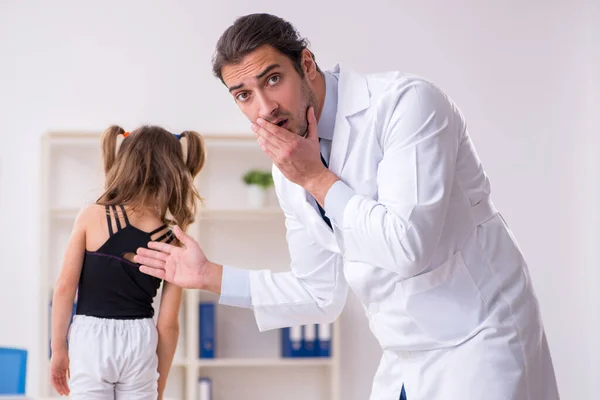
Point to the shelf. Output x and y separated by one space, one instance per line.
244 214
74 139
227 141
207 214
64 213
265 362
231 141
179 363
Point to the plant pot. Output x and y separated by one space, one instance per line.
257 196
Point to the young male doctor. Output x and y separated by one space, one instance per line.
383 192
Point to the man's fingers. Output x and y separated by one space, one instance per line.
149 261
267 148
271 155
312 125
267 136
274 152
276 131
183 237
155 272
273 133
161 247
159 255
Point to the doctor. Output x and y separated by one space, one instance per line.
383 193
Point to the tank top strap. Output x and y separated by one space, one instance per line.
114 214
169 235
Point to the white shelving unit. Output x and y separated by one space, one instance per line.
247 362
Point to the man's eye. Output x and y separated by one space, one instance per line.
274 79
242 96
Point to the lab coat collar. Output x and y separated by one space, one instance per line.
353 92
353 97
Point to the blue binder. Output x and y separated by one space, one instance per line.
286 346
309 339
296 341
207 330
324 340
291 341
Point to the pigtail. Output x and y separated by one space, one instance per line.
109 146
196 152
183 205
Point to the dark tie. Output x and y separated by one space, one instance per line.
318 205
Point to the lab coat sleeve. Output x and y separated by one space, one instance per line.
402 228
313 291
235 287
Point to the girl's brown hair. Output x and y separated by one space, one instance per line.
151 169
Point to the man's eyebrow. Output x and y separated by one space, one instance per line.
263 73
266 71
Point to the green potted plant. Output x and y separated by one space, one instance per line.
258 182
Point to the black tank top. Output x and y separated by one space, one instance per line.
111 286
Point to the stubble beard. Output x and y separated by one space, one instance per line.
308 100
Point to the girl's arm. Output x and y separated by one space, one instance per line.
62 303
168 331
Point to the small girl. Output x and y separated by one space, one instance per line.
113 349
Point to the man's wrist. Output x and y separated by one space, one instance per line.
320 185
212 278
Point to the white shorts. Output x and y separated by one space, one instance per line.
113 359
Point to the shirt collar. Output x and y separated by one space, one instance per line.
326 123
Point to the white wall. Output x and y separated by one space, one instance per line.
590 187
517 69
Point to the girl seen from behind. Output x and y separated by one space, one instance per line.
113 349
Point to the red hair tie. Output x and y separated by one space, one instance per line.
125 134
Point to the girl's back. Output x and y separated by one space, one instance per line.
115 350
111 286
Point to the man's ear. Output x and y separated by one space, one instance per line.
309 66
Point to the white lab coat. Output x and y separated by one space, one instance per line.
442 280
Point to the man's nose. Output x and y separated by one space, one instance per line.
268 108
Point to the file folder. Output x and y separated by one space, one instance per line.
207 330
296 341
309 337
286 346
323 340
204 388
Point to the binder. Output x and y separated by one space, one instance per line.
309 337
207 330
291 341
286 346
296 341
204 388
323 347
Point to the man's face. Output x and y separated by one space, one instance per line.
266 85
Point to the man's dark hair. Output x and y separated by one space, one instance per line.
250 32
